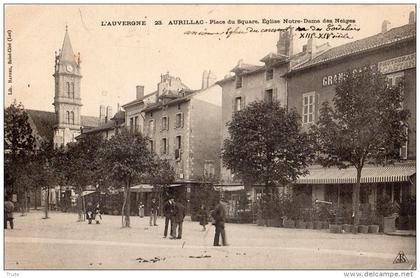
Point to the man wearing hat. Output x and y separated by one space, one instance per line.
168 212
219 216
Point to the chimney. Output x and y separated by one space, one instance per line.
102 114
385 26
139 92
204 84
108 113
310 48
211 79
285 43
291 35
412 18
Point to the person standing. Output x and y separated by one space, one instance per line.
98 215
8 213
219 216
179 215
141 209
154 207
203 216
168 212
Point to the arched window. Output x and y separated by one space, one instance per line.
72 117
68 89
68 117
72 89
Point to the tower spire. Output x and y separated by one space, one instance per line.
67 53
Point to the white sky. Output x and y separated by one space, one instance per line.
116 59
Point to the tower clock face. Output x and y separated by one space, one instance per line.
69 68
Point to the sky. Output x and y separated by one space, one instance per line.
117 58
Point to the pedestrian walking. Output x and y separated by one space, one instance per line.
154 208
203 216
219 216
178 220
141 210
89 213
168 212
98 214
9 207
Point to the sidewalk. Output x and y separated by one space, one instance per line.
37 243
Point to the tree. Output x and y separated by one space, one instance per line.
126 158
19 144
79 165
266 145
366 124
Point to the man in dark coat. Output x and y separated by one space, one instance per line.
219 216
168 211
178 220
154 207
8 213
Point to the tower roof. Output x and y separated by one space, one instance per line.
67 53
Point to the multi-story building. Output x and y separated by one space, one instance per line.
261 82
109 125
393 52
183 127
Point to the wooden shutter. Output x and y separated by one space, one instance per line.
316 107
167 123
243 103
275 97
182 119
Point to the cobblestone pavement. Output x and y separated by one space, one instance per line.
61 242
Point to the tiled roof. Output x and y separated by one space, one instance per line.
188 95
89 121
120 115
43 122
136 101
379 40
106 126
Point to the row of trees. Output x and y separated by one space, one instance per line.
118 162
366 123
267 145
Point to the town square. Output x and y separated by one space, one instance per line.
211 139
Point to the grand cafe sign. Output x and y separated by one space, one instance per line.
388 66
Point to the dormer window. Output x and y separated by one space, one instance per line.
238 82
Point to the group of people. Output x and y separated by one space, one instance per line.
174 213
93 213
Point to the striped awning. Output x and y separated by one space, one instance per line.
142 188
369 175
229 188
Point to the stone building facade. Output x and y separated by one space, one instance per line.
393 52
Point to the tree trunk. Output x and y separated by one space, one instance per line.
35 198
128 207
26 201
356 197
47 202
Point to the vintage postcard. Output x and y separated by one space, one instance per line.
210 136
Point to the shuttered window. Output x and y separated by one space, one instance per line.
308 108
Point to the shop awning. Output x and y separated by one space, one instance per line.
84 193
229 188
142 188
369 175
174 185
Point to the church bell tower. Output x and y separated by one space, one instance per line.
67 101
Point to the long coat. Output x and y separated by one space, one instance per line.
168 209
179 212
219 214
